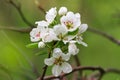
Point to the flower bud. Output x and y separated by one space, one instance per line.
41 44
62 11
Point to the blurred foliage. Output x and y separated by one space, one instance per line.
19 63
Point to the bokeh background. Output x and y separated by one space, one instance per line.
20 63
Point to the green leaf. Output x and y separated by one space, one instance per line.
32 45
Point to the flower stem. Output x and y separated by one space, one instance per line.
78 64
45 69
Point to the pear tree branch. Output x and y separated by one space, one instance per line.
101 73
18 8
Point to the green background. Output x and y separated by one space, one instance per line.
19 63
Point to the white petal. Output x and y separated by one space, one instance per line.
57 52
83 28
66 68
51 14
41 44
59 29
56 70
42 23
65 57
68 38
48 35
62 11
35 35
49 61
72 49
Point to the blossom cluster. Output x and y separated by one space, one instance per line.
64 30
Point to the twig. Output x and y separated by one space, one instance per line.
22 30
45 69
110 70
18 8
101 70
109 37
78 63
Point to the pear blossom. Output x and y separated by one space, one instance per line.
79 38
42 24
41 44
82 28
62 11
72 48
48 35
59 61
51 14
35 35
71 21
60 31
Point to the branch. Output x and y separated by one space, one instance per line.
74 70
18 8
109 37
101 71
78 64
22 30
45 69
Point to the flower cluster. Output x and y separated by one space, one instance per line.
64 30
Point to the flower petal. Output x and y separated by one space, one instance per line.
66 68
72 49
49 61
62 11
83 28
56 70
57 52
65 57
51 14
59 29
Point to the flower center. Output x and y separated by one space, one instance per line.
69 24
58 61
38 34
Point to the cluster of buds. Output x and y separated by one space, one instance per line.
64 30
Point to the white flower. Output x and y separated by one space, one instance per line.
62 11
79 39
51 14
59 60
72 48
41 44
83 28
60 31
71 21
42 24
35 35
48 35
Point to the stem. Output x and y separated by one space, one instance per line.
78 64
45 69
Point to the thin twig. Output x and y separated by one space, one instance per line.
109 37
45 69
78 64
18 8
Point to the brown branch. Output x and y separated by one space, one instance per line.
22 30
78 64
101 70
109 37
18 8
110 70
45 69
